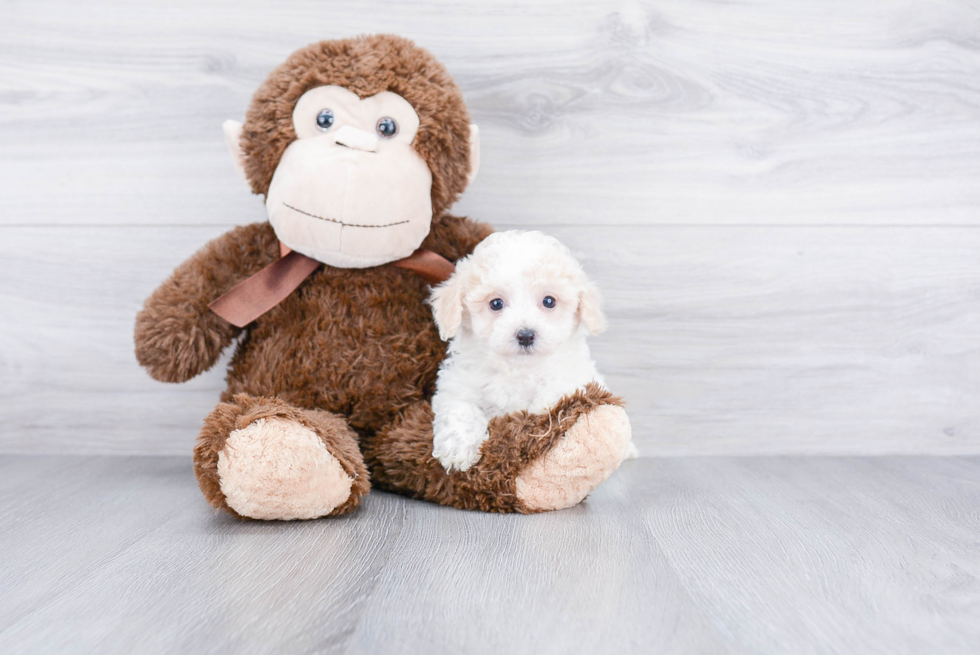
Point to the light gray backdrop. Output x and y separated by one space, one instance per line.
780 200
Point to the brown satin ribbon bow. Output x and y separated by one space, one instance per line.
256 295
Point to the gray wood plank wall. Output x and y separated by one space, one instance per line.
781 202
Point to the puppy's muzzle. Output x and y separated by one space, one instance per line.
525 337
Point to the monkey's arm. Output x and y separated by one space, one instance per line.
454 237
177 337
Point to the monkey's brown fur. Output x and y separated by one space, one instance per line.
352 354
241 410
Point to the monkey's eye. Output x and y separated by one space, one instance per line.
548 302
324 119
496 304
387 127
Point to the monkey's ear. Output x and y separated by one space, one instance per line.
447 306
590 309
474 153
233 136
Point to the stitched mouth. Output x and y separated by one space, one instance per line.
334 220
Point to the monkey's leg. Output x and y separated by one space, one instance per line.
530 463
262 458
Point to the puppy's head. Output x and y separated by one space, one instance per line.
522 293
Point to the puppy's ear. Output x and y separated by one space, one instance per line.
590 309
447 306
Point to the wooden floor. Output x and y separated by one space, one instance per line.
674 555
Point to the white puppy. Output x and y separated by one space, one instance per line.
517 311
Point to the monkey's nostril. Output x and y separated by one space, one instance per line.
525 337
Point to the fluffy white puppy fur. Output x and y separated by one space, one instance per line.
516 313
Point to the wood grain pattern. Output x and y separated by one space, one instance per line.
780 201
679 555
161 572
723 340
672 112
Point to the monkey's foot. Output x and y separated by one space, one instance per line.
586 455
263 459
278 469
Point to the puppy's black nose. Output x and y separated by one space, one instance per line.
525 337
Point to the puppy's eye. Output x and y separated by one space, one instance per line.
548 302
496 304
324 120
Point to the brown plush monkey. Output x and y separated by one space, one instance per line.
359 146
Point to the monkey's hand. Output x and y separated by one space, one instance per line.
177 337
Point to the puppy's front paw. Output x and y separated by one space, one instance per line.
456 455
458 431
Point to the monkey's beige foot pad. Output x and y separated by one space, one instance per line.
588 454
277 469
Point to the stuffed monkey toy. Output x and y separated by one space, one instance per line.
359 146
